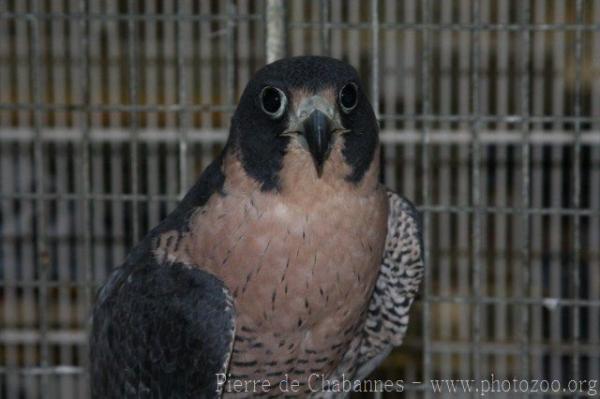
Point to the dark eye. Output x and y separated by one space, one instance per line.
273 101
348 97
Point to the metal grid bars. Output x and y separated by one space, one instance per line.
490 123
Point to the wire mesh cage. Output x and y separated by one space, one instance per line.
490 122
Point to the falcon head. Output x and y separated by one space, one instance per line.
304 117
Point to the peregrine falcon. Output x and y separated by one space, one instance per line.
287 260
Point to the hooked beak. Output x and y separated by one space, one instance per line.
315 123
317 132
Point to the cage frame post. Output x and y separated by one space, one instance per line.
276 30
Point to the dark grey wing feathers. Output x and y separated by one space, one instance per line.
160 331
397 285
163 330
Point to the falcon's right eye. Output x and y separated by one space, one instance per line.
273 102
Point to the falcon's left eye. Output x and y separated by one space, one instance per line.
348 97
273 101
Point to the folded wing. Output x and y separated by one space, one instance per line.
397 285
160 331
